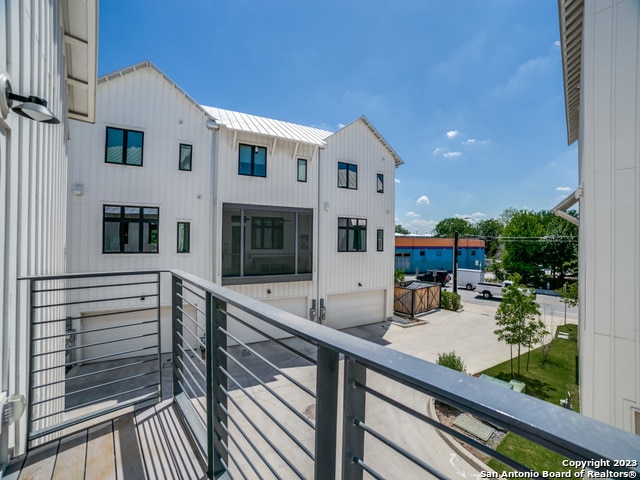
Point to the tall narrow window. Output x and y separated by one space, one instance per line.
352 234
124 147
380 183
185 157
380 240
302 170
130 229
184 237
252 161
347 175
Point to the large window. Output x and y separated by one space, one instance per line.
124 146
352 234
184 162
266 242
302 170
184 237
252 161
347 175
130 229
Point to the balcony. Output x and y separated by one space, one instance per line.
165 375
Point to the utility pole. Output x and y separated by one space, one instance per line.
455 263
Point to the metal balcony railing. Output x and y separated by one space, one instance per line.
267 394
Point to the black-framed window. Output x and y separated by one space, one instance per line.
347 175
184 162
124 147
380 183
130 229
267 233
184 237
302 170
352 234
380 240
252 160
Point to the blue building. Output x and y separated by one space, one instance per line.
428 253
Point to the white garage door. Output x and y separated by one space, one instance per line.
359 308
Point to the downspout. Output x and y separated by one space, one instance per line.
319 308
214 127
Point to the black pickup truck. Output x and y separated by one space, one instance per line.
434 276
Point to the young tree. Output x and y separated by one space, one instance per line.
517 319
449 226
401 230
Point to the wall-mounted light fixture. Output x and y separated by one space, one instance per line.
32 107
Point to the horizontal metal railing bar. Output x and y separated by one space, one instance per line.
93 387
401 450
94 300
89 287
85 375
189 302
367 468
96 315
242 452
198 293
262 434
195 381
72 363
193 335
87 345
233 459
93 330
95 402
548 425
273 339
445 428
247 439
275 394
190 358
34 435
304 388
120 273
186 314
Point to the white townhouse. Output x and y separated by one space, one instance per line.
48 52
601 60
298 217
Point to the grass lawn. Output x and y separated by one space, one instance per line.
549 381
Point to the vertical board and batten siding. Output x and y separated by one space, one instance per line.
356 273
142 100
609 214
33 172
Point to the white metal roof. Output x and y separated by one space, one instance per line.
244 122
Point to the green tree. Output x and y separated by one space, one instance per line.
401 230
449 226
560 248
490 229
569 295
517 319
523 249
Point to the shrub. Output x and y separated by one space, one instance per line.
398 276
450 301
451 360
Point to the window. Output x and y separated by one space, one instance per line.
380 240
130 229
124 147
347 175
302 170
261 241
252 161
267 233
473 253
380 183
438 253
422 253
184 237
185 157
352 235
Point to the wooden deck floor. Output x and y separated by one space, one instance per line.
149 444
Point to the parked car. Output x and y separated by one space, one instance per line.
434 276
491 290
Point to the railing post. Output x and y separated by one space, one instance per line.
216 341
326 413
176 329
354 408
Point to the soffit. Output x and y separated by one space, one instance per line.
571 14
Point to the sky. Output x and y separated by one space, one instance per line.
469 93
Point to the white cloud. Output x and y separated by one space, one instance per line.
423 200
397 180
470 217
341 126
421 227
556 43
452 154
438 150
412 214
452 133
469 142
563 189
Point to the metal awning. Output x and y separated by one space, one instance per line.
561 209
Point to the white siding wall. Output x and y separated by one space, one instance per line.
609 213
343 272
142 100
33 170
